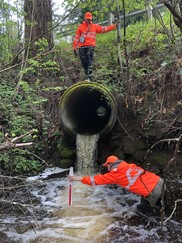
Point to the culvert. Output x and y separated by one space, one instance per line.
88 108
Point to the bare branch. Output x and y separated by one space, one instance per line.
174 209
162 141
172 9
38 158
15 203
20 206
10 142
10 145
171 161
22 136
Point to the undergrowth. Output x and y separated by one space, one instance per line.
148 47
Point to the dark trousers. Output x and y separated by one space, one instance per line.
87 56
145 207
145 203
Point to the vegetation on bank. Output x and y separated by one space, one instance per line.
151 74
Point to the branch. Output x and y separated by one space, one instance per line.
44 33
10 143
174 209
164 140
24 135
16 203
20 206
172 9
171 161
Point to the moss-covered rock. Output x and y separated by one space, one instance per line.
66 163
67 153
61 146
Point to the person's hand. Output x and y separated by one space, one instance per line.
71 178
75 53
117 23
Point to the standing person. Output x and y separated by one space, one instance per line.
85 42
131 177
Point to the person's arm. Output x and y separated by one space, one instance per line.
99 179
74 178
104 29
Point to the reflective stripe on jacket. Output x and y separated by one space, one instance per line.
88 32
129 176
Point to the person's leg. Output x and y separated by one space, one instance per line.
144 206
84 59
90 61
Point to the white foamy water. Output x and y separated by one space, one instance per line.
98 214
86 146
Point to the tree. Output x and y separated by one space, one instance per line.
38 22
175 7
10 30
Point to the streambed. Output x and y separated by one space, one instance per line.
98 214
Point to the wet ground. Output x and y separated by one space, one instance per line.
37 210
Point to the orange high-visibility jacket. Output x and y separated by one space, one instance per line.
129 176
88 32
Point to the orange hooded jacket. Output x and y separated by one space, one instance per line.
88 32
128 176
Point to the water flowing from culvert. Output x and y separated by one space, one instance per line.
86 147
100 214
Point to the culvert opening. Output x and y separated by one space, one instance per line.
87 109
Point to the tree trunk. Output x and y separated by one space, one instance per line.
175 7
38 21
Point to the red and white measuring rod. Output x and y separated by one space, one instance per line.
70 190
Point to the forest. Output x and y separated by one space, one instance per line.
139 62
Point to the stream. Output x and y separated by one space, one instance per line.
35 209
98 214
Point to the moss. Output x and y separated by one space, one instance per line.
67 153
66 163
61 146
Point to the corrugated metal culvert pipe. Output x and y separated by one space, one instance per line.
88 108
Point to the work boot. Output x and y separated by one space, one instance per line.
145 210
144 207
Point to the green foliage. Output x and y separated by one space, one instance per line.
26 109
42 44
9 31
19 112
101 8
41 65
66 163
148 33
18 162
106 65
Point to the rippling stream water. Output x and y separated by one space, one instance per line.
99 214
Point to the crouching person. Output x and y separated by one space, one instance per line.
131 177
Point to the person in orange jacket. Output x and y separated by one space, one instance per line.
85 42
131 177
